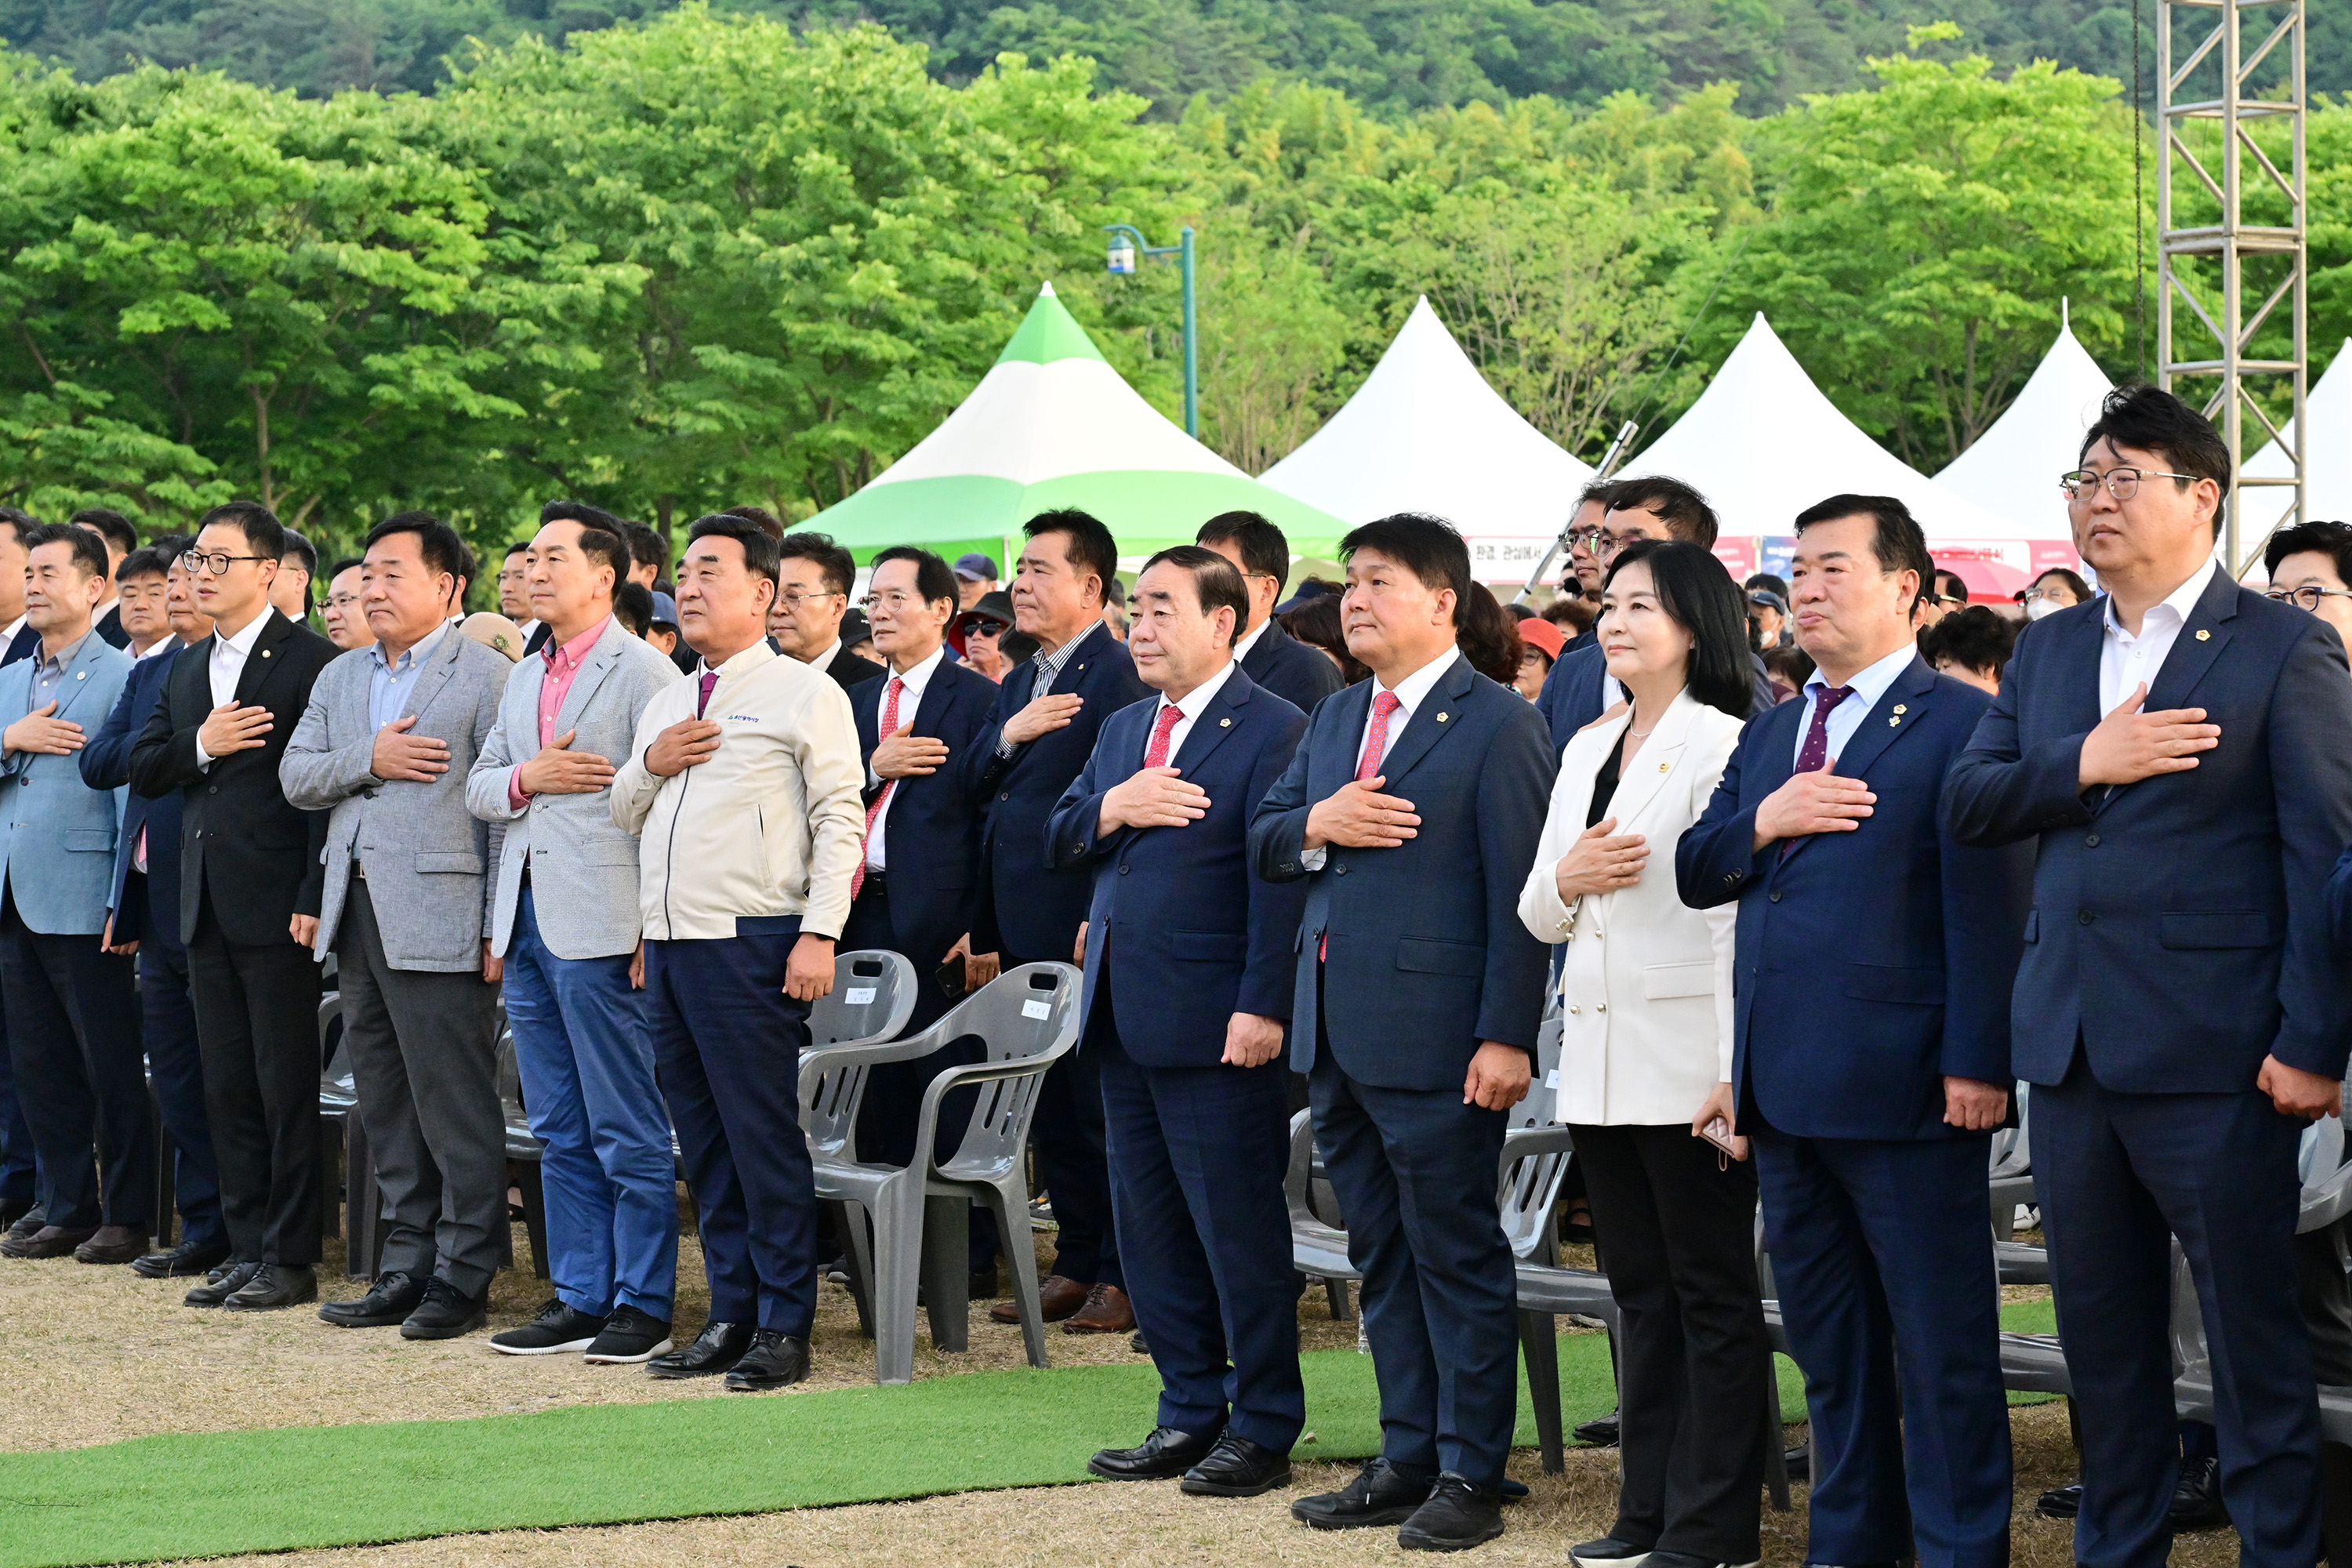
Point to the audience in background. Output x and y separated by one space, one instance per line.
345 623
1540 647
1314 620
289 591
814 579
633 604
1267 653
2054 590
1971 645
648 553
120 539
513 602
985 625
2310 567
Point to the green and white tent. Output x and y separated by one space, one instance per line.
1053 425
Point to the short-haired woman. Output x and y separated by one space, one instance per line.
1645 995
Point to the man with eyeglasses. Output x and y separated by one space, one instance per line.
814 577
1580 688
347 626
250 886
2177 749
1585 573
1270 657
2310 567
1950 593
919 872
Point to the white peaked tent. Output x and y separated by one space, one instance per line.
2327 453
1762 443
1425 433
2011 470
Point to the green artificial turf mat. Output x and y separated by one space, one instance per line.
215 1493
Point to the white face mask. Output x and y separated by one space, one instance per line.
2037 608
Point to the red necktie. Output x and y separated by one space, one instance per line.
709 679
1155 755
1814 754
1376 745
873 813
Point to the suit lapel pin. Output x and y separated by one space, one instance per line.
1662 767
265 653
1225 723
1443 716
81 674
2204 635
1893 721
1900 709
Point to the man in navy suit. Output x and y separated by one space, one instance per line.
2175 752
1039 735
1272 659
1412 811
1191 966
1871 1027
1580 688
144 909
913 891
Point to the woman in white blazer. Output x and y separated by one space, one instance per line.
1645 1006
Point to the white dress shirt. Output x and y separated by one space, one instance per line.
909 701
1409 693
2125 660
1191 708
226 664
1864 690
1242 649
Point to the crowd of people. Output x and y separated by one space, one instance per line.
1817 874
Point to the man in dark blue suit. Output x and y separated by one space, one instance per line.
1580 688
1192 964
145 919
1039 735
1272 659
914 892
2175 751
1412 811
1871 1027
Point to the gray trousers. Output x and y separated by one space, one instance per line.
423 1047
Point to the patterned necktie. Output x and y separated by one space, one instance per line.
1815 754
873 813
1155 755
709 679
1376 745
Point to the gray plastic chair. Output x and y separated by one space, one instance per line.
1026 1019
872 998
2009 1175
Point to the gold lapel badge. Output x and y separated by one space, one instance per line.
1443 716
2204 635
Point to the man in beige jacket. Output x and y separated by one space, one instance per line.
742 783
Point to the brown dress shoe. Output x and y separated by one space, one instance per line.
49 1241
112 1244
1058 1297
1107 1311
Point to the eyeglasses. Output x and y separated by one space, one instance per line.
981 626
893 601
2305 598
1948 599
791 603
1600 541
2061 597
216 563
2122 483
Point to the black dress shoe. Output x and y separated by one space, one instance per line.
1169 1451
1600 1431
1237 1467
1609 1553
2060 1503
113 1244
218 1287
1458 1515
774 1361
716 1349
49 1241
1798 1462
273 1286
184 1261
446 1312
2197 1499
387 1304
1382 1494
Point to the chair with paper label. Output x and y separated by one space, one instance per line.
1025 1019
873 997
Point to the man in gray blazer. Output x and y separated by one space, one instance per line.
565 923
73 1017
385 743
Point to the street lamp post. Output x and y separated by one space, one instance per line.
1127 246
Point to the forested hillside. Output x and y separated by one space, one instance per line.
1389 55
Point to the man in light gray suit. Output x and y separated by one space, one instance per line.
385 743
566 924
73 1017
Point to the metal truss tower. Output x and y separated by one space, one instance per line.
2219 99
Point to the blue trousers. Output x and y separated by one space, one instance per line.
1881 1251
1197 1156
588 1086
176 1068
2119 1176
18 1180
728 1043
1414 1174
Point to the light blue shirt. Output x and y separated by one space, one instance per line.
390 684
1868 685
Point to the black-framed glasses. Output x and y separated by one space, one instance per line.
2306 597
2122 483
216 563
981 626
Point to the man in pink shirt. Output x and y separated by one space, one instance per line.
566 923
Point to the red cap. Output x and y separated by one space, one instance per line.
1536 632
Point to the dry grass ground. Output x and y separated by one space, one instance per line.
91 1355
